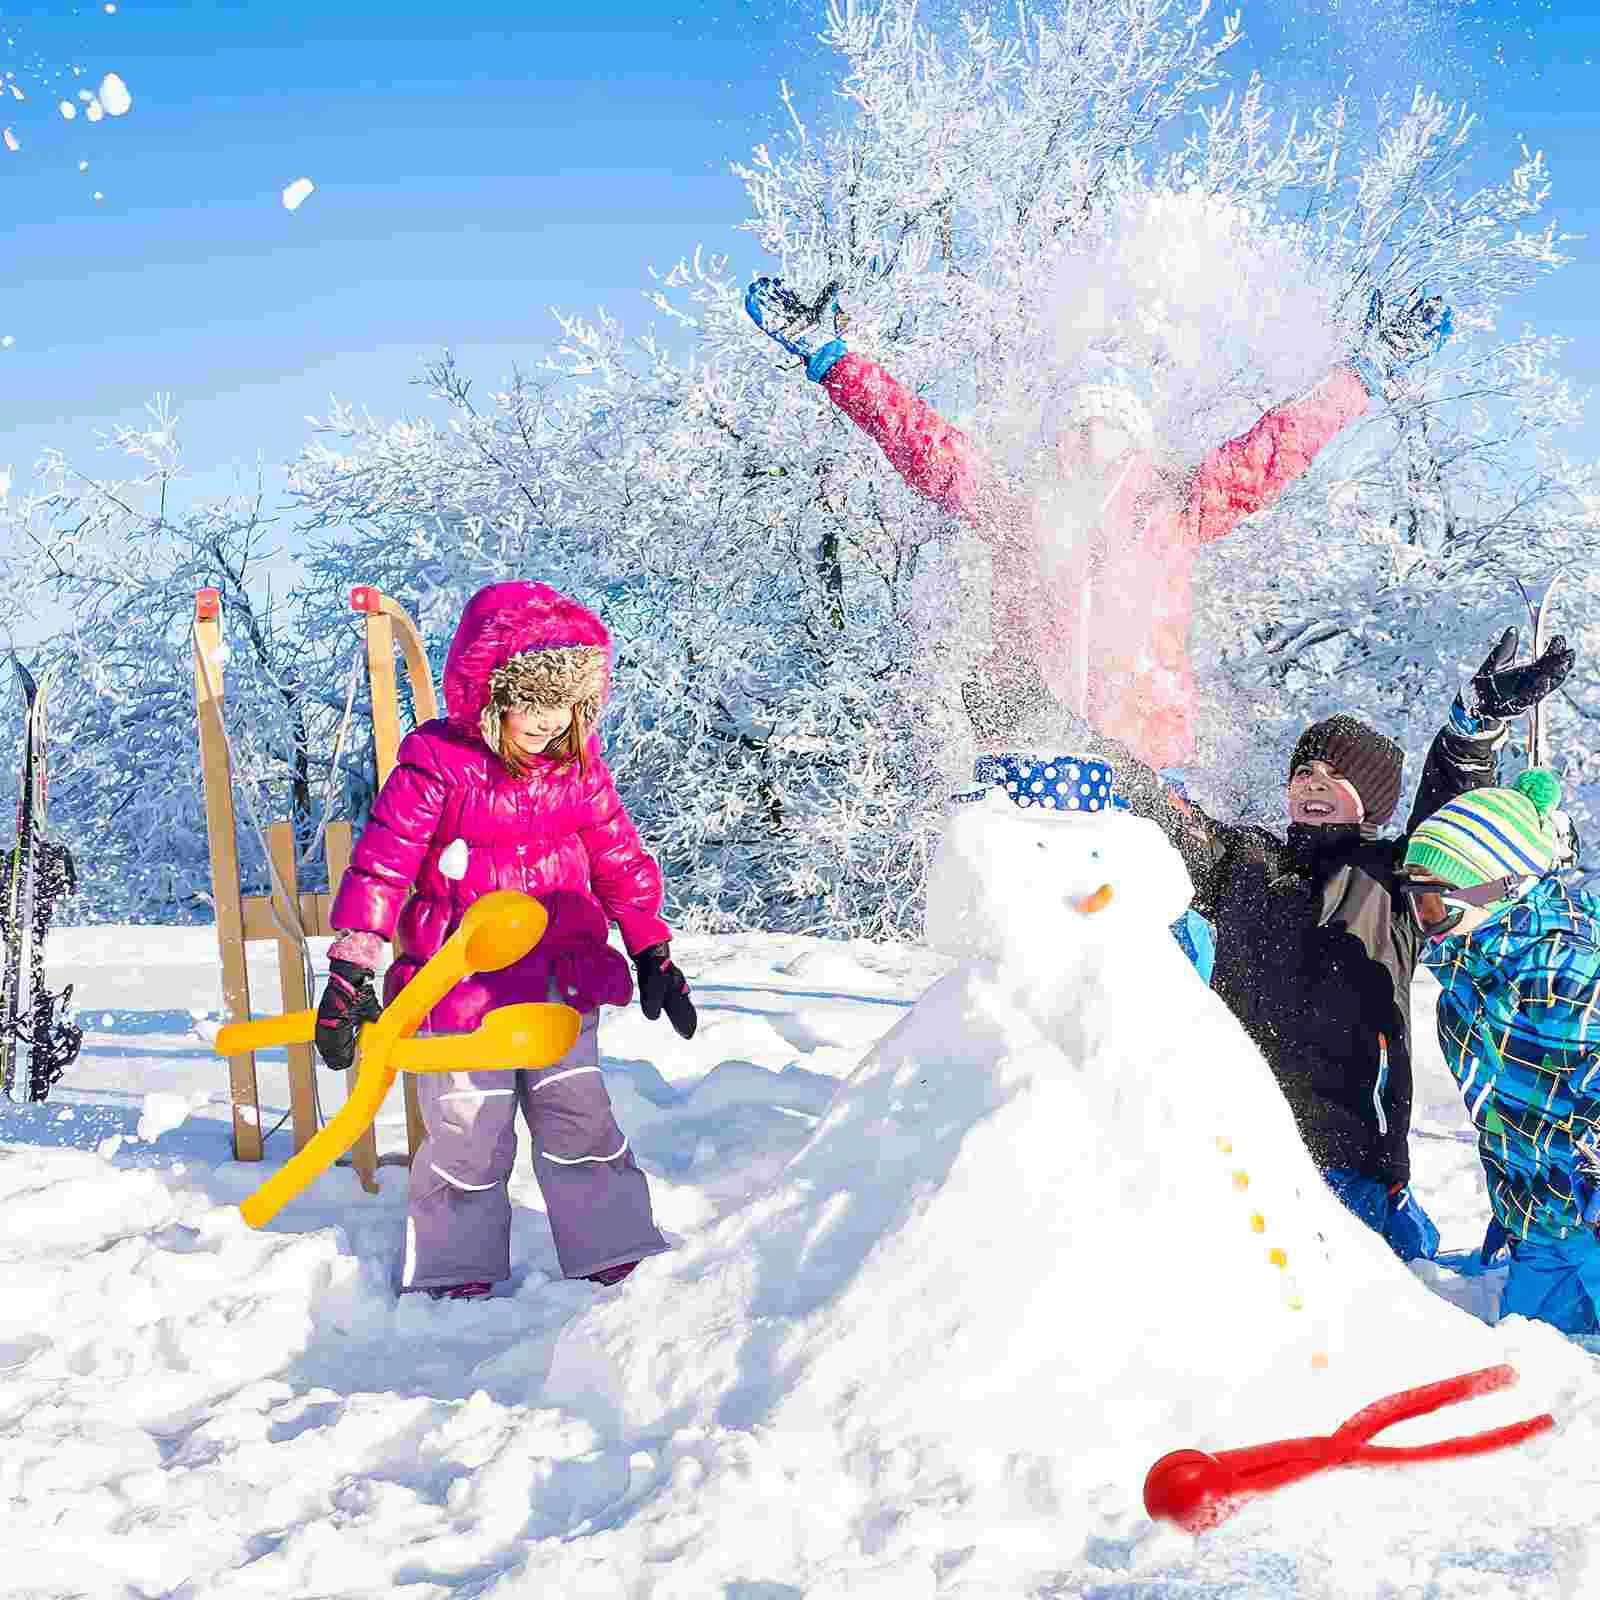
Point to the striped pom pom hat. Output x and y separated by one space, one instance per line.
1491 833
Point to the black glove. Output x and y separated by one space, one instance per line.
347 1002
1498 689
788 320
663 987
1410 334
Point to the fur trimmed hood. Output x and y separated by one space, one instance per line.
514 619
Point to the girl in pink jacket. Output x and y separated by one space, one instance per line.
1102 624
509 791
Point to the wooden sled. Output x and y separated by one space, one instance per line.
243 919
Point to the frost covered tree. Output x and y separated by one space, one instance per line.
125 790
997 203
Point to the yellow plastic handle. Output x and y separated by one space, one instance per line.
294 1027
533 1035
498 929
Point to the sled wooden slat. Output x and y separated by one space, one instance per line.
292 988
314 908
389 624
363 1156
217 783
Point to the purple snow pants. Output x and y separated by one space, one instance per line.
459 1225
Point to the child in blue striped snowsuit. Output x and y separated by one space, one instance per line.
1517 955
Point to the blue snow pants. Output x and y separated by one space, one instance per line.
1406 1228
1555 1281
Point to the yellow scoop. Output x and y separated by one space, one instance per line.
498 929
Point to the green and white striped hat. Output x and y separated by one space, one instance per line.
1491 833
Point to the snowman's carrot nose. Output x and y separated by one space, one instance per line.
1097 901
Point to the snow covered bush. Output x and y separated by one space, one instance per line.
125 790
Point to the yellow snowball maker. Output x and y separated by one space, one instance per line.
498 929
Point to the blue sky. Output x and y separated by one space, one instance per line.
476 163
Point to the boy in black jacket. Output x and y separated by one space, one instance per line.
1315 947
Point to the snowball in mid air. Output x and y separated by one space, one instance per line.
296 193
114 95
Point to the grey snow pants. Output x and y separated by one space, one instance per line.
458 1227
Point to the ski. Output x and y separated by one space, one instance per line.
1536 597
32 877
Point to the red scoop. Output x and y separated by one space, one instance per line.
1199 1491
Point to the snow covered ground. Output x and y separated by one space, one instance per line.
921 1338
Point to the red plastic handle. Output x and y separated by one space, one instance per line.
1199 1491
207 604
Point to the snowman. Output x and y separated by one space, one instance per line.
1044 874
1056 904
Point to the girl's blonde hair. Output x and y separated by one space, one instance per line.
537 680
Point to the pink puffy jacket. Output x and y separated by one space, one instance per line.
1108 627
555 834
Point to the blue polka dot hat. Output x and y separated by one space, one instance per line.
1049 783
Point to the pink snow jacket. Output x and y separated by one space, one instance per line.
1108 628
555 834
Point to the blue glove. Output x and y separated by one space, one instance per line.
1408 1228
1494 1241
1394 341
788 320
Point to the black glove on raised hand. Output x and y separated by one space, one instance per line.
793 323
348 1001
1394 338
663 988
1498 689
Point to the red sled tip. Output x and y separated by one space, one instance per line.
365 598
